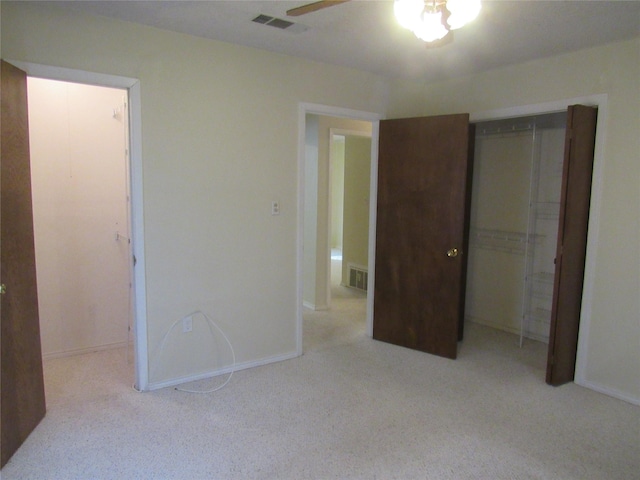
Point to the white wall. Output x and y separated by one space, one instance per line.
219 132
79 185
613 264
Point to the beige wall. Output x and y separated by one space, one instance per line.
337 190
350 193
219 127
214 158
357 173
613 305
79 185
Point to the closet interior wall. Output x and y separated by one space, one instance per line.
514 223
79 175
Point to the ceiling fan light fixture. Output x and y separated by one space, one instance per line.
425 17
431 27
462 12
408 12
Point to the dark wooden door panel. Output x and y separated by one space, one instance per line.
572 243
423 167
22 386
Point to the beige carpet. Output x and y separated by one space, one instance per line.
350 407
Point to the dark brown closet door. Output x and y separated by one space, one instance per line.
422 215
22 385
572 243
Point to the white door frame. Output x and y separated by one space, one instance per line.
132 86
329 111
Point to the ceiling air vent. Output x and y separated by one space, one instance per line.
262 19
280 23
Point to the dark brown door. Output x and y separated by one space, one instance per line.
22 386
424 169
572 243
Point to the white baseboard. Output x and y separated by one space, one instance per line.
505 328
214 373
82 351
488 323
312 306
612 392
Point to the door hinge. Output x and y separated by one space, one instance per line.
134 261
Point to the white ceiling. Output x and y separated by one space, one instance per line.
363 34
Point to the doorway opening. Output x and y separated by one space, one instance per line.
79 143
132 86
337 185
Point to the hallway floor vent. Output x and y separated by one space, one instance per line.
358 277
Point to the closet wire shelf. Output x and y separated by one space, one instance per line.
502 241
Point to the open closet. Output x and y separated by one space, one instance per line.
515 209
520 221
529 232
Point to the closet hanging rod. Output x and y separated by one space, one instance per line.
505 130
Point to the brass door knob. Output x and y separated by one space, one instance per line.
452 253
3 289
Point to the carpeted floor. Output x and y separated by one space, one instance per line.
349 408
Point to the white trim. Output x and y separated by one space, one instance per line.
82 351
302 112
611 392
373 216
317 109
314 307
214 373
592 242
137 239
599 100
132 85
51 72
348 133
330 111
328 266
